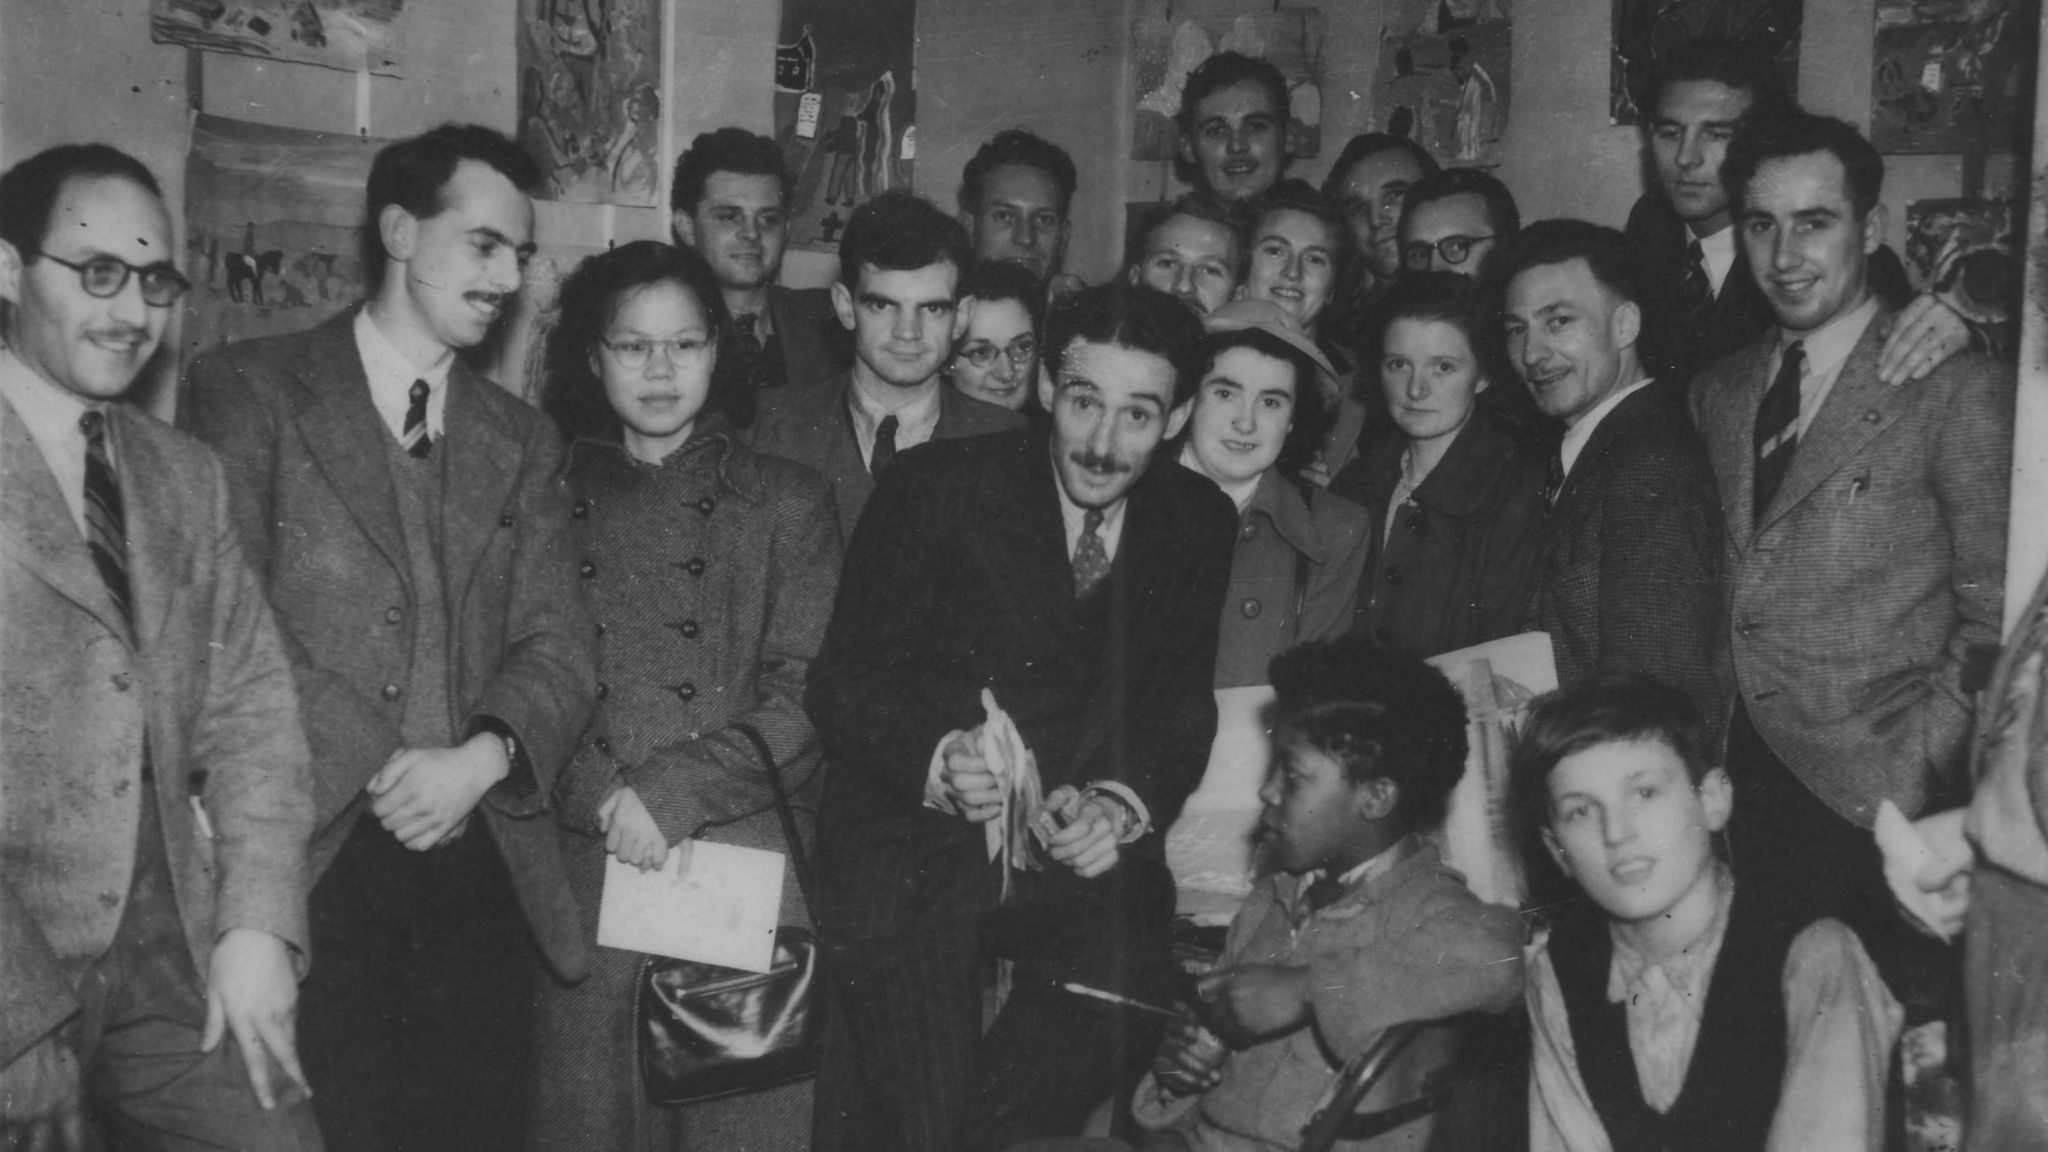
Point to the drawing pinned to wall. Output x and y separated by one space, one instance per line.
1964 251
272 228
1646 29
1165 47
589 97
845 113
345 34
1949 75
1443 77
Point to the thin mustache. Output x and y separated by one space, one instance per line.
1095 463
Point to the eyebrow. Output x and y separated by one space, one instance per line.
876 298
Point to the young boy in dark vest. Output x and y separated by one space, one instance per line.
1669 1009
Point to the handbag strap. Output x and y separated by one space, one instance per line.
799 860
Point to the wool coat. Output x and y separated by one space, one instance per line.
1293 576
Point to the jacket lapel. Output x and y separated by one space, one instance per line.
1858 408
479 473
1735 439
36 528
345 437
151 492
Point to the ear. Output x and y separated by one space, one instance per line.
1717 797
1178 418
842 304
1187 148
1293 141
684 225
1484 383
1375 799
399 230
1874 223
1626 324
1556 851
1131 275
963 315
11 265
1046 388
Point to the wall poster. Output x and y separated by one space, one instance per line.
590 98
1443 78
1965 251
845 112
1166 47
1948 75
344 34
1646 29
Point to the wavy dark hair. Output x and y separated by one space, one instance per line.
1294 195
1312 409
414 173
590 297
1454 299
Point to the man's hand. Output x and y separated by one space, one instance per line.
1922 338
422 795
630 832
1934 887
41 1104
967 781
1088 844
1256 1001
1190 1060
253 992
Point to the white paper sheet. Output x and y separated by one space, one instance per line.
721 908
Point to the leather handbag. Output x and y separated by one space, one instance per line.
707 1031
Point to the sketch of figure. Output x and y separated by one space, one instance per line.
872 173
631 161
1189 48
843 145
1476 97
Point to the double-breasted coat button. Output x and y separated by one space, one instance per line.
706 505
588 569
393 615
686 691
119 680
580 509
121 787
1394 577
1251 608
604 745
390 692
504 521
688 628
695 566
110 899
603 689
1249 532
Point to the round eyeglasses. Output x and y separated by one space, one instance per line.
1454 249
104 276
984 353
633 354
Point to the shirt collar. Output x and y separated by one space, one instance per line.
1075 517
1717 250
1240 493
1576 436
391 377
1829 345
915 417
51 413
1688 972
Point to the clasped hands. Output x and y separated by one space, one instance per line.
424 796
1088 843
1241 1006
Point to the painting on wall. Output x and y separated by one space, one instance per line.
590 97
345 34
1964 251
845 112
273 220
1443 78
1644 30
1948 75
1165 47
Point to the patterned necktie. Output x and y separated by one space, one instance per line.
885 448
1777 428
1091 558
106 531
415 439
1695 290
746 348
1553 475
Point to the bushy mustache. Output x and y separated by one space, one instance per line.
1098 461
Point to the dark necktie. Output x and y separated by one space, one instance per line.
1553 475
106 531
1777 428
1091 557
1695 290
885 448
415 439
746 349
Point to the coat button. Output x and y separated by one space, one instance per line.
588 570
391 691
1250 608
1249 532
119 680
603 689
504 521
706 505
121 787
1394 577
580 509
110 899
687 692
604 745
394 614
600 627
695 567
688 628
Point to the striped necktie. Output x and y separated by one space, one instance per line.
106 530
415 439
1777 428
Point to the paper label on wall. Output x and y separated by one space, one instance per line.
807 115
909 143
713 903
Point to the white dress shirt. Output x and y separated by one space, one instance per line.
1575 437
1717 252
51 416
916 413
1827 348
391 378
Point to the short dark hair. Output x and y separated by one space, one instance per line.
1022 148
1131 316
1606 252
1232 215
1795 133
734 150
1447 298
1228 70
1297 195
29 190
899 231
1380 713
1501 214
1365 146
1312 413
573 392
412 174
1720 61
1606 708
1007 280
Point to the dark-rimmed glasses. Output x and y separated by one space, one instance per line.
1454 249
104 276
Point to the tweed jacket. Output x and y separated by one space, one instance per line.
201 678
1852 603
958 579
1456 568
312 496
814 346
1293 576
1628 577
812 426
712 577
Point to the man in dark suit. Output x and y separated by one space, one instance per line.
1077 576
1866 535
1626 582
402 511
155 803
730 201
898 293
1704 298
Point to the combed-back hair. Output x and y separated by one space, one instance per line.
734 150
413 173
1007 280
899 231
1228 70
1608 708
1605 251
1025 149
1130 316
1501 214
29 190
1380 713
1366 145
1786 134
1723 62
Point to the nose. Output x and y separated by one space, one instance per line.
906 324
127 305
1417 388
750 228
1437 263
661 362
1690 154
1184 282
1003 368
1269 792
1784 253
1292 269
1100 433
1243 419
1618 825
505 274
1238 141
1027 233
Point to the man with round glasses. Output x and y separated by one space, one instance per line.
157 802
1453 219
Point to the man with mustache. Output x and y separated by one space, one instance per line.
898 293
1075 575
402 511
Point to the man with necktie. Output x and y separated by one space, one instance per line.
155 801
1077 576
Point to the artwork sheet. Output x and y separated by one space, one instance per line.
845 112
1644 30
350 35
1949 75
590 98
1443 78
1167 43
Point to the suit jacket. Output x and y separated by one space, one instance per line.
201 678
1627 581
814 346
314 501
957 579
1881 561
813 427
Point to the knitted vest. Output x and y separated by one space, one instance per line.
427 721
